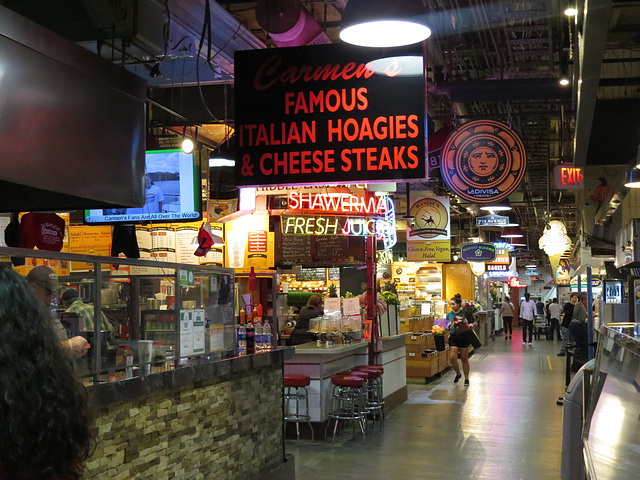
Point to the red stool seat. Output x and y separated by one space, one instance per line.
372 373
296 380
376 367
348 381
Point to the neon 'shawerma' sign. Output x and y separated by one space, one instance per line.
343 204
326 114
382 228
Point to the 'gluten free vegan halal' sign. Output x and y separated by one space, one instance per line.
327 113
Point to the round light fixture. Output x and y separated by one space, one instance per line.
512 232
187 145
384 23
564 81
633 178
571 12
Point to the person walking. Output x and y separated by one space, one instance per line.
457 323
528 311
506 311
567 315
554 319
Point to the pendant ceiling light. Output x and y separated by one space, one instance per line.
501 206
512 232
223 156
384 23
633 178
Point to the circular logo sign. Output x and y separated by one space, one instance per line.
483 161
430 218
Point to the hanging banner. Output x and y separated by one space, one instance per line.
324 113
429 251
483 161
478 252
430 218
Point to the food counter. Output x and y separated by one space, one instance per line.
320 363
186 406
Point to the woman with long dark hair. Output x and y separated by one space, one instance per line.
45 426
457 323
301 332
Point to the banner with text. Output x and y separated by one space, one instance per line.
326 113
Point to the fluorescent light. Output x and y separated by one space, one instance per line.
221 162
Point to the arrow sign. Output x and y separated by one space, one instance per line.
492 221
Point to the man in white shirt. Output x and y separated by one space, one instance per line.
554 314
528 315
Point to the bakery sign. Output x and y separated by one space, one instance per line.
325 113
483 161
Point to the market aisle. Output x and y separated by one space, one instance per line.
505 425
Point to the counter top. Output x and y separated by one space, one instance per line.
199 369
395 337
314 349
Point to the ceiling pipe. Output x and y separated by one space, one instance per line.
289 24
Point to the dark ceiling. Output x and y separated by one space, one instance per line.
486 59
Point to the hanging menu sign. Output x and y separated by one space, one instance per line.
312 275
296 248
323 113
333 247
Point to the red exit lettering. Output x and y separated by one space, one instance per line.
571 175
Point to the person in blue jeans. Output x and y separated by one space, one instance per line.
528 311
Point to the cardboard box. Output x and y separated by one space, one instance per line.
422 366
443 360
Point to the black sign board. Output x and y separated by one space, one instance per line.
520 253
312 274
325 113
478 252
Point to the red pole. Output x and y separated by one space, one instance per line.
372 296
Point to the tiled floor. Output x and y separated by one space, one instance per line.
505 425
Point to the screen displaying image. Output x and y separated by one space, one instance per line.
172 192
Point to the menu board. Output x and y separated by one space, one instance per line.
334 273
296 247
312 275
334 247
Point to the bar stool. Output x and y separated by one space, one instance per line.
375 398
349 403
296 390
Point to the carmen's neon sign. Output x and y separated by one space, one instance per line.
343 204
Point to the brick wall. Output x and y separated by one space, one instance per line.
228 427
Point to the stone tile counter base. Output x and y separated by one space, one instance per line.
228 427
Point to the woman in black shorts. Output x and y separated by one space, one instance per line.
457 323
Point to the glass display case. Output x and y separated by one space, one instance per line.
153 315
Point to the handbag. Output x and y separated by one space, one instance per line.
472 337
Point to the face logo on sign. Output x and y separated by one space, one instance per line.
430 218
483 161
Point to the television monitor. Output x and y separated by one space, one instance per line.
172 192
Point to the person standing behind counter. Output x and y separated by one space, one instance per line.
74 304
44 282
46 430
300 333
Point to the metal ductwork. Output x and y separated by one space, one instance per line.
289 24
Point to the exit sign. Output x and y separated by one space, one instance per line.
568 177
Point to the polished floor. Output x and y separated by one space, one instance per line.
505 425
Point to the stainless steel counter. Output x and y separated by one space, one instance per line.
611 436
